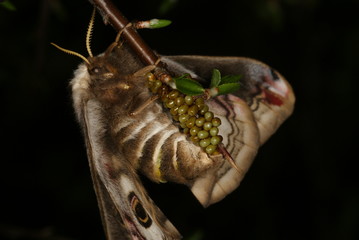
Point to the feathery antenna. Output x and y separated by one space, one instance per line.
71 52
88 41
89 32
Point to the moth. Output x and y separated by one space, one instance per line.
127 132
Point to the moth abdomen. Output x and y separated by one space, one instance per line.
149 139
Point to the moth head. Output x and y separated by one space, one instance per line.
96 66
99 68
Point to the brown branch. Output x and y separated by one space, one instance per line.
111 14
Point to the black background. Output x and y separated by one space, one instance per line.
303 183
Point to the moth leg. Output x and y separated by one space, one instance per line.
120 32
117 42
222 149
147 69
144 71
141 107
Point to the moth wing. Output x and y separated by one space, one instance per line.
266 91
250 115
114 178
241 139
109 214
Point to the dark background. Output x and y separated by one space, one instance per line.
303 183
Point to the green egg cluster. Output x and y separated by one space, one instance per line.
191 113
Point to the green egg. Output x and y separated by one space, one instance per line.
208 116
190 122
207 126
170 103
174 110
183 118
214 131
216 122
200 121
195 139
186 130
173 94
183 109
199 101
204 109
188 100
179 101
202 134
204 142
215 140
211 149
192 110
194 131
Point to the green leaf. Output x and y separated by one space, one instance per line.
159 23
216 78
8 5
188 86
228 88
231 79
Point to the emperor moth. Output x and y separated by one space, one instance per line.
126 132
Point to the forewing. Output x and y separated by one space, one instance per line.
126 209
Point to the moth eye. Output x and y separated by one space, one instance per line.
139 211
274 74
96 70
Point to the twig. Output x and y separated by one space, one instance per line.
112 15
